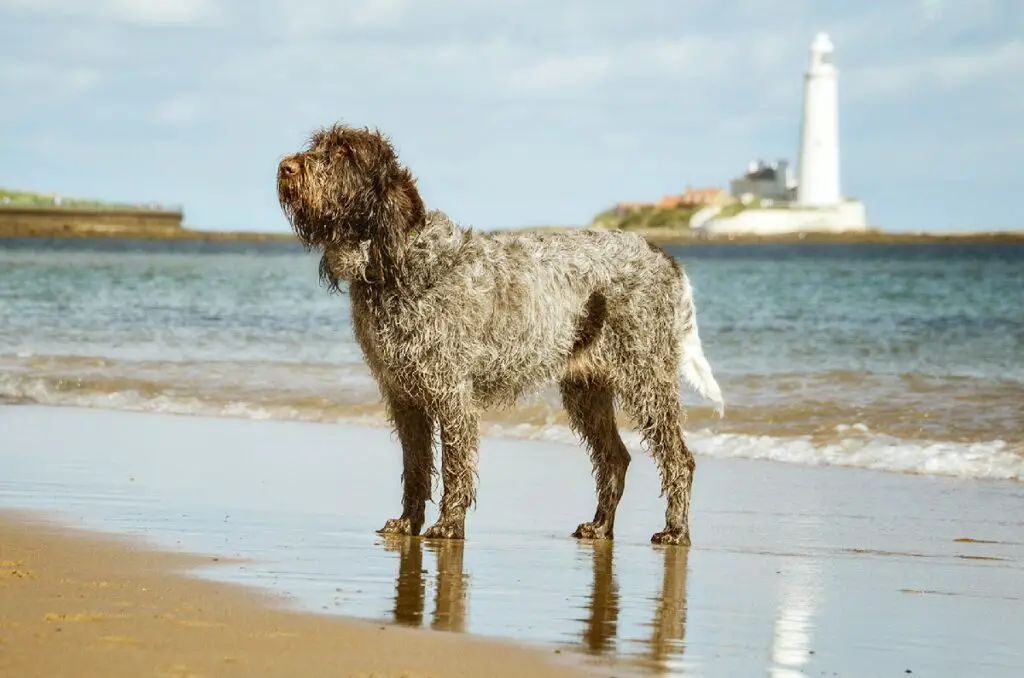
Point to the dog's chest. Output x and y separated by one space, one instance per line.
366 327
392 350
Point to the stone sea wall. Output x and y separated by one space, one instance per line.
45 220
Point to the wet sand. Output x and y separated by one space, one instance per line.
79 605
793 571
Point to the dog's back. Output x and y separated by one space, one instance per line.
532 308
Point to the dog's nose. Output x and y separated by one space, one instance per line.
289 167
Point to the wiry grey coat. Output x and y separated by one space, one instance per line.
451 322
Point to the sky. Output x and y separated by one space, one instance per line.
512 113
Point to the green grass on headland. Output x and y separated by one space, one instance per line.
646 217
31 199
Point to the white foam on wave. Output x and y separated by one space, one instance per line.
40 391
854 446
990 460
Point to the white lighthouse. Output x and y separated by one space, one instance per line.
818 164
771 205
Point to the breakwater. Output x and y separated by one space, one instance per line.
52 220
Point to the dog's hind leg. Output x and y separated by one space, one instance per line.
459 441
416 435
658 413
591 412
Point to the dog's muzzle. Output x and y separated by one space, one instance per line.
289 167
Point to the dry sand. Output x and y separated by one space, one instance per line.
77 604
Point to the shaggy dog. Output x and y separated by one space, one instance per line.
451 322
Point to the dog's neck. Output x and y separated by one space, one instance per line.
427 253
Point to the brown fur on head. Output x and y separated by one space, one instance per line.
346 194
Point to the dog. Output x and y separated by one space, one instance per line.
452 321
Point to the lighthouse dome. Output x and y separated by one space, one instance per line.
822 44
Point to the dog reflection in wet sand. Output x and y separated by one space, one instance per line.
450 586
601 633
452 322
668 628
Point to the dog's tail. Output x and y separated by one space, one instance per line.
693 365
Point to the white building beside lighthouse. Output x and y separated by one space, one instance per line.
813 202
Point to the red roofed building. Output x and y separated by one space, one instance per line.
696 197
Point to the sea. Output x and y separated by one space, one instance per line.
905 358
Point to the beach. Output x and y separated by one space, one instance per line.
794 570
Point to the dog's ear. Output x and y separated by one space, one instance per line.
404 214
408 199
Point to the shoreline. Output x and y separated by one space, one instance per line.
678 236
880 238
927 458
921 437
656 236
80 602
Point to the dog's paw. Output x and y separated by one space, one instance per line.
398 526
443 530
672 538
592 531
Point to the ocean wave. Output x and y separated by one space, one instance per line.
853 445
993 459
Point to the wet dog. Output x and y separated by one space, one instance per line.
452 322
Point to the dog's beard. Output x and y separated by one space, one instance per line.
314 227
348 262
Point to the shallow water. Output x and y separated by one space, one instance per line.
794 571
899 358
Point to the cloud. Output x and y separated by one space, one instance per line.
41 86
162 12
378 12
178 111
80 80
310 18
31 76
560 73
141 12
932 10
963 14
948 71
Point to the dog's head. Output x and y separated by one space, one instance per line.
346 190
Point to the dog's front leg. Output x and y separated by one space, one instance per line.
416 434
459 441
